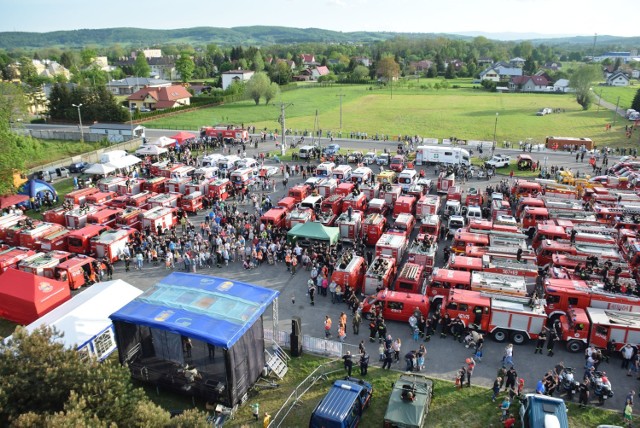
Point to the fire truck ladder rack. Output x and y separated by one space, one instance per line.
509 264
598 230
570 214
410 272
509 298
505 249
587 244
623 318
597 290
583 259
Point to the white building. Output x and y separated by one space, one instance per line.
618 79
228 77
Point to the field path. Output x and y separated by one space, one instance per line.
608 105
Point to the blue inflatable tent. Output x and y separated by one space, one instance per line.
196 334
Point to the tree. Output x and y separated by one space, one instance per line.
388 69
272 91
27 70
450 73
636 101
72 391
431 72
581 81
185 66
12 156
281 73
141 67
530 66
360 72
257 63
87 56
257 86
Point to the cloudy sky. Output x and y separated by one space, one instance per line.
545 17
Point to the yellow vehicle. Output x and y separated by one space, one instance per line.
387 177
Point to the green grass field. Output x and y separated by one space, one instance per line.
611 94
465 113
46 151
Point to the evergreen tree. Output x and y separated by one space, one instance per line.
141 67
450 73
636 101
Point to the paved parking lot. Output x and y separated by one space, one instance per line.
445 356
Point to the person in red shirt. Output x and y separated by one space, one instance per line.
510 421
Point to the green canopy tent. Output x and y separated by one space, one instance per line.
406 412
313 231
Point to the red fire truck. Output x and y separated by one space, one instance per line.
392 244
422 251
79 217
130 217
55 241
10 257
75 271
110 184
428 204
55 215
165 200
350 225
390 193
442 281
373 228
356 202
371 191
474 197
162 217
107 216
32 238
349 272
411 279
548 248
430 225
380 275
404 204
155 184
140 200
464 263
377 206
100 198
298 216
345 189
43 264
276 217
299 192
499 284
333 203
227 133
110 244
79 241
445 181
404 223
504 317
288 203
192 202
79 196
598 327
327 187
395 305
219 188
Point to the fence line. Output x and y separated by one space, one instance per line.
313 345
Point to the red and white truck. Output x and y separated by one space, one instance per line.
422 251
350 225
162 217
411 279
504 317
10 257
373 228
392 244
110 244
165 200
43 264
78 218
428 204
32 238
380 275
349 272
597 327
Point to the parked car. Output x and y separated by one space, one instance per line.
544 111
409 402
78 167
383 159
343 405
498 161
332 149
354 157
369 158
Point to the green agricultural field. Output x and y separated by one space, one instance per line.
611 94
465 113
40 152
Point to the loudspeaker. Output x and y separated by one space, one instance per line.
296 345
296 326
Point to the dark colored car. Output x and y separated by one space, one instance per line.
78 167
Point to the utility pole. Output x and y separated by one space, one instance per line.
615 113
283 144
341 95
80 121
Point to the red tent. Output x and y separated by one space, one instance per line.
8 200
181 136
25 297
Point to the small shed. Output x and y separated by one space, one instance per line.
197 335
84 319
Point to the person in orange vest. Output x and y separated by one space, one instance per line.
294 263
327 326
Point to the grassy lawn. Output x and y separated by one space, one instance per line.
469 407
45 151
465 113
611 94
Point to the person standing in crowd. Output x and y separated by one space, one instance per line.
348 362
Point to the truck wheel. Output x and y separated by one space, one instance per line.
500 335
519 338
575 346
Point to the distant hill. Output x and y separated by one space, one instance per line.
262 36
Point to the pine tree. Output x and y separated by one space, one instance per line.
636 101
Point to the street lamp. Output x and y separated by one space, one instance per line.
495 128
80 120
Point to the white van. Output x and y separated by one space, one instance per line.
305 152
407 178
211 160
314 202
325 169
342 173
249 163
361 175
473 213
228 163
205 172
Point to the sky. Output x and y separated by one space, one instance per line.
544 17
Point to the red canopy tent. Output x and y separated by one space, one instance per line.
25 297
8 200
181 136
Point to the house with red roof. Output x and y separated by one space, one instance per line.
529 84
159 98
308 59
319 71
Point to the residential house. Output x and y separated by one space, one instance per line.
500 72
457 64
618 79
421 66
484 60
160 98
228 77
552 65
290 63
562 85
635 73
544 74
129 85
319 71
164 68
148 53
102 62
308 60
517 62
48 68
528 84
363 60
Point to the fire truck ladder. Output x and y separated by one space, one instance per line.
587 244
507 250
597 290
570 214
623 318
598 230
509 264
409 272
507 298
583 259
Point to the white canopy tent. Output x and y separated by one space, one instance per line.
151 150
163 142
84 319
100 169
125 161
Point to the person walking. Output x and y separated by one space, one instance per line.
348 362
496 388
312 292
356 320
553 337
397 344
470 367
507 359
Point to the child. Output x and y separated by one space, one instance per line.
416 334
381 352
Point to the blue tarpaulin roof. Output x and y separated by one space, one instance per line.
211 309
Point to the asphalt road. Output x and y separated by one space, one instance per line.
445 356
